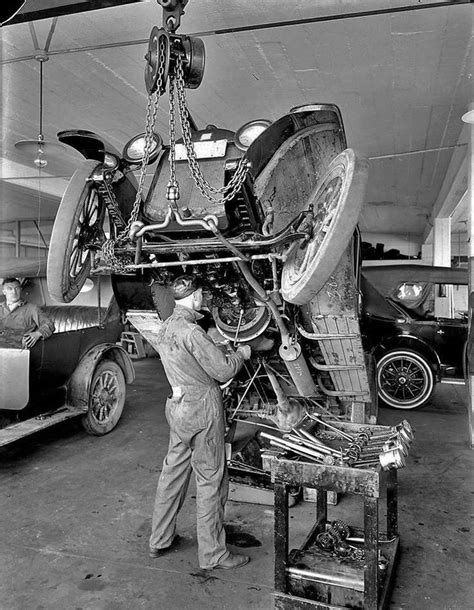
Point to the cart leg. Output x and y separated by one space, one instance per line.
281 536
321 508
392 504
371 529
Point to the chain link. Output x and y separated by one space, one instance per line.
172 132
205 188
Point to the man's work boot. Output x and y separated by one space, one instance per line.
232 561
155 553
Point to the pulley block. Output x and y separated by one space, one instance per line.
194 61
158 59
163 51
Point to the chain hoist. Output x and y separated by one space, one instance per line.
179 61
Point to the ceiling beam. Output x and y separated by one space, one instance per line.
41 9
94 5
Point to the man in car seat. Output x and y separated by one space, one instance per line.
22 324
194 366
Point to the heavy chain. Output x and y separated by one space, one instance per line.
151 110
172 133
205 188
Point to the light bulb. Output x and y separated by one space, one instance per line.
40 161
468 117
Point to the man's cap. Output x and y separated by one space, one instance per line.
184 285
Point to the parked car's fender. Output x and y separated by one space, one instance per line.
412 343
80 381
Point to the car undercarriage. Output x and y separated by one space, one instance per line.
264 216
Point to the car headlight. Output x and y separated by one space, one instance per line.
88 285
249 132
134 150
110 161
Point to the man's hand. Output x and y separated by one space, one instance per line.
245 351
31 339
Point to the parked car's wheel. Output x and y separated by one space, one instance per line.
405 379
78 223
337 201
106 398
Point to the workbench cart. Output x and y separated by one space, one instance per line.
309 577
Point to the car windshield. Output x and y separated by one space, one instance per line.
412 294
423 299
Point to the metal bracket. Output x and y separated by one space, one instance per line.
172 12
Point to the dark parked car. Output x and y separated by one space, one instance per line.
79 371
415 321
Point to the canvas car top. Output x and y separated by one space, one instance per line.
386 277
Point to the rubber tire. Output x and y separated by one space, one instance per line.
109 372
420 366
307 268
63 285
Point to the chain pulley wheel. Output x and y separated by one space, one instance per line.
194 62
157 61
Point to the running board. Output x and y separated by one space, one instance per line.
454 381
13 433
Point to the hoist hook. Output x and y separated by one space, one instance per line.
172 12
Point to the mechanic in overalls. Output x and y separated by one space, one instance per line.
195 367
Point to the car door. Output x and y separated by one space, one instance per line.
451 335
451 332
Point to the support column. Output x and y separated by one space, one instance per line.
442 258
469 118
442 242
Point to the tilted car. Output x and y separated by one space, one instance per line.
415 322
80 371
264 216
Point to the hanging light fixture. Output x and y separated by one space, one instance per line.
39 149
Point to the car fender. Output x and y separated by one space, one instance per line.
93 146
284 130
79 383
88 143
409 342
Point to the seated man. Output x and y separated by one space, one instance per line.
22 324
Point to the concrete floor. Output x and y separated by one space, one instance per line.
75 518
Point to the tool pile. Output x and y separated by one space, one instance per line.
327 442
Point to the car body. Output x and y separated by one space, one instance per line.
264 216
79 371
414 320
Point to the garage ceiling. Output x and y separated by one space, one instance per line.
400 71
